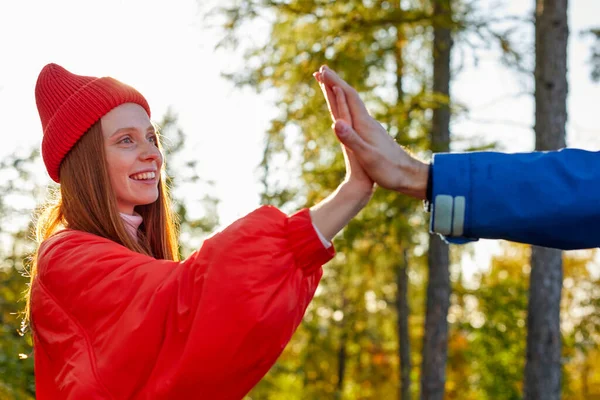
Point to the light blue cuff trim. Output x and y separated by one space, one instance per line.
448 215
442 212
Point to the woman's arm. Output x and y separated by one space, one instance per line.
336 211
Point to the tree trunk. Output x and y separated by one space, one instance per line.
403 327
402 307
435 342
543 363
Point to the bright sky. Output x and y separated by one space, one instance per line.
162 49
159 47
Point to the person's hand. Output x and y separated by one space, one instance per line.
384 160
333 213
356 176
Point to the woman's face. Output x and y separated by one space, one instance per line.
132 156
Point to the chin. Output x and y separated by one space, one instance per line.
143 201
147 202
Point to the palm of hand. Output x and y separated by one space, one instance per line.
384 163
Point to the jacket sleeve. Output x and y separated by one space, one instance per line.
549 199
210 326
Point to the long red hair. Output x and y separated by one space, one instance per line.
86 202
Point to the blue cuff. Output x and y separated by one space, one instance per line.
451 197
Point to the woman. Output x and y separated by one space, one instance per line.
115 314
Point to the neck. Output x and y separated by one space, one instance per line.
132 223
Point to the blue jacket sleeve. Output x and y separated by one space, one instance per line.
549 199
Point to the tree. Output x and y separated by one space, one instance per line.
497 325
595 56
435 345
383 49
19 188
365 42
402 282
543 363
489 317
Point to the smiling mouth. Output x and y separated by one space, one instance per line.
144 176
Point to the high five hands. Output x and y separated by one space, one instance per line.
371 153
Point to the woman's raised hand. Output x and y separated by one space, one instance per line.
356 176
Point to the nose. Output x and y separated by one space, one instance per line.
151 153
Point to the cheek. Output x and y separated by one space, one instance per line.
117 167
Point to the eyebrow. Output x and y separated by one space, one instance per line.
150 129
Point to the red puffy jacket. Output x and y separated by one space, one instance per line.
110 323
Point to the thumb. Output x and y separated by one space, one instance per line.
348 136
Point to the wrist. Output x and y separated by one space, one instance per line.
356 193
416 175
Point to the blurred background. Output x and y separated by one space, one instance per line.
244 123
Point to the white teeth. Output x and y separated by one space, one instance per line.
143 176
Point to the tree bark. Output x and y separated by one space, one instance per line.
403 327
543 363
435 342
402 307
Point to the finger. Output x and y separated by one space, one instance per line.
350 159
349 138
342 105
346 152
330 78
328 94
353 166
329 99
318 77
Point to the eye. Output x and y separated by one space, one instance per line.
153 139
126 140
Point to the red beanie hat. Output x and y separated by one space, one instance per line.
70 104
